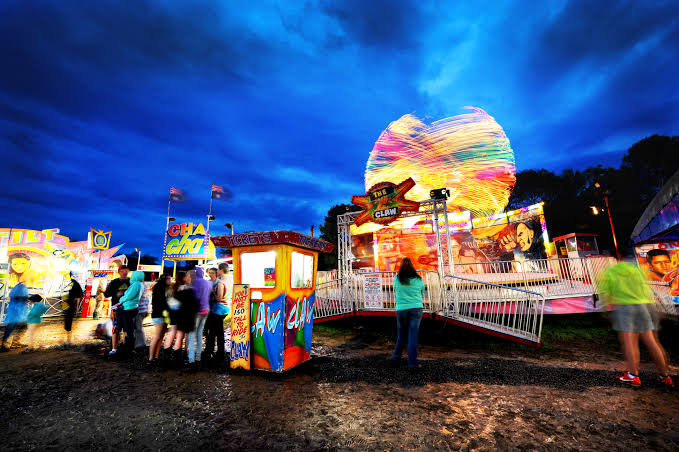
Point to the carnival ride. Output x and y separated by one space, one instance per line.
463 172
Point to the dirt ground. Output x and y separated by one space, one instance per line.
472 393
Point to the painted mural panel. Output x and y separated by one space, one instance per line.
660 263
519 235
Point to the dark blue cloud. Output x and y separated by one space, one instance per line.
104 105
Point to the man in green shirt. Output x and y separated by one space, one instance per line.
633 314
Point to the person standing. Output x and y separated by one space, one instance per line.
172 317
219 309
75 294
409 289
130 304
16 313
186 315
143 312
115 290
159 306
202 289
624 287
99 299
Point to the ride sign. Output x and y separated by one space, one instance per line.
186 241
240 327
385 202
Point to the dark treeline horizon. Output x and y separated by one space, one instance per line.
570 195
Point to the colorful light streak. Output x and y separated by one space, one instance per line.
469 154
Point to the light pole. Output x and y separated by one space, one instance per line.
138 257
608 209
230 226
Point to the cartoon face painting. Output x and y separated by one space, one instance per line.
524 236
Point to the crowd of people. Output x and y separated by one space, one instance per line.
182 312
191 307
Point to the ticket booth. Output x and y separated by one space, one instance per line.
576 245
280 269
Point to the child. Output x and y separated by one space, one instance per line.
34 319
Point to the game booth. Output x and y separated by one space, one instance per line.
273 298
43 259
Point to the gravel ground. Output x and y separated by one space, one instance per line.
347 397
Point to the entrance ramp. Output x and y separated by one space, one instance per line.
335 299
509 312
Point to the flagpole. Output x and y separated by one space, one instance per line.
206 244
167 225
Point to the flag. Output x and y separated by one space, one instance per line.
176 194
220 193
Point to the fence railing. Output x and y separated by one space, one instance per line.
662 291
332 299
553 278
510 310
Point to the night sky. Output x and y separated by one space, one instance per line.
105 104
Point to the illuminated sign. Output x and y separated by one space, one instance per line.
109 274
385 202
149 268
273 237
99 240
186 241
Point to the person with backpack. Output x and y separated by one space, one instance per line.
409 289
129 303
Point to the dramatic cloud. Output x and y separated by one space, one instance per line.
104 105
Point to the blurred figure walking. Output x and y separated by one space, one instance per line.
16 313
202 289
186 315
75 294
634 317
161 292
34 319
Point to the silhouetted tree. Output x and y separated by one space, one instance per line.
328 261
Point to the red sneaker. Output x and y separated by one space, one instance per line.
628 379
666 380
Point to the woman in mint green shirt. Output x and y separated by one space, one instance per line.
409 290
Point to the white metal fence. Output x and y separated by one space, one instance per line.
662 292
553 278
509 310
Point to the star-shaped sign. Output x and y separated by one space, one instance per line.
385 202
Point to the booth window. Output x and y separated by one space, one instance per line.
302 271
258 269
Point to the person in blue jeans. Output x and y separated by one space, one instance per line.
409 289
